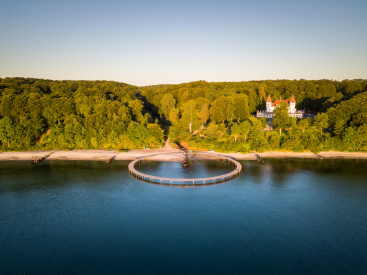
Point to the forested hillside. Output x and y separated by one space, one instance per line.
218 116
313 95
46 114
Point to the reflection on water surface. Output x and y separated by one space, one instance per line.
285 217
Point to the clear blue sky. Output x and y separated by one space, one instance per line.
155 42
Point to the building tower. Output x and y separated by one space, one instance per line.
292 105
268 104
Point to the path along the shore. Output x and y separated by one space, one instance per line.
103 155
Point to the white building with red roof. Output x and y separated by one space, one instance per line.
270 107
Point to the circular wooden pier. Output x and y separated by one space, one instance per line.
186 181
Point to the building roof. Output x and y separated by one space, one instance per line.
293 100
269 99
276 102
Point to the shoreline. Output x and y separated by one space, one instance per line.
103 155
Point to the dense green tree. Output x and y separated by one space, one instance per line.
189 118
222 129
230 108
174 131
245 128
256 130
156 134
174 115
321 121
7 131
263 122
137 132
303 124
361 137
235 131
241 107
168 102
211 130
281 118
204 113
348 109
349 138
253 100
339 127
218 109
358 119
136 107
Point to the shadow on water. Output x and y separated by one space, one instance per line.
278 171
56 174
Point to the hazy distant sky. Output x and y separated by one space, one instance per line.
154 42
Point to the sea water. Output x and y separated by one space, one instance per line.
288 216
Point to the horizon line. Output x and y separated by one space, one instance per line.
253 80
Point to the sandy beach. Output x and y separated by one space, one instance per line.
103 155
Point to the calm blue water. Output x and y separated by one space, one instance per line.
285 217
